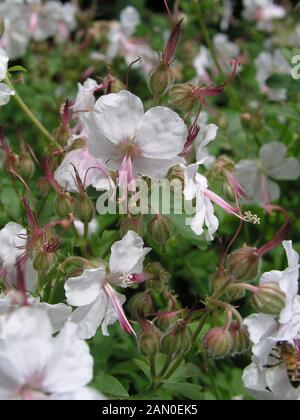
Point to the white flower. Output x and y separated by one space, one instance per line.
5 91
265 378
129 19
265 330
254 175
267 64
263 12
226 51
196 186
125 138
34 20
93 293
36 366
121 41
13 243
269 384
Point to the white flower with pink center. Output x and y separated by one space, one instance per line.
99 304
36 366
128 140
256 176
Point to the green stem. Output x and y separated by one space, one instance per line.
231 92
165 373
31 116
152 367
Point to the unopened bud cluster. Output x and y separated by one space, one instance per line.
229 341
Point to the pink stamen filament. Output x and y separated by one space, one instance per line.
124 323
126 176
223 204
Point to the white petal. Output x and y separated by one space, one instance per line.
114 119
155 168
273 190
289 169
13 241
3 64
127 255
58 314
90 170
205 136
90 317
211 220
272 154
129 19
83 394
292 255
278 381
258 325
161 134
255 382
84 289
71 366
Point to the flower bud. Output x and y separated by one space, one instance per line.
160 228
161 80
182 97
218 342
134 223
141 305
148 341
269 299
63 205
235 292
43 261
219 279
243 264
166 320
159 274
176 340
240 337
62 135
84 209
26 166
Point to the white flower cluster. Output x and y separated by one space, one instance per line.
274 373
34 20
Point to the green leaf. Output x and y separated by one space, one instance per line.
188 370
109 385
187 390
11 203
17 68
143 366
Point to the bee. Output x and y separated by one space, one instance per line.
288 354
